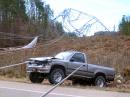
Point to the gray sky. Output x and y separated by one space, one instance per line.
109 12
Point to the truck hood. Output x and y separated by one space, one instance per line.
41 58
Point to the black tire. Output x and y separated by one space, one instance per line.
100 81
56 76
35 77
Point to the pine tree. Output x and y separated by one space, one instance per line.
124 26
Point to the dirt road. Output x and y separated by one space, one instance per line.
16 89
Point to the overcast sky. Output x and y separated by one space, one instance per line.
109 12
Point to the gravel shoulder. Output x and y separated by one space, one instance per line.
18 89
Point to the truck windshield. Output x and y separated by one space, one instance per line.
63 55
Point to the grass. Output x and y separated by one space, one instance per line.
107 51
69 84
103 50
14 79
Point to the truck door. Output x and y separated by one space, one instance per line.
77 60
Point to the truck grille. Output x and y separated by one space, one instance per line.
37 63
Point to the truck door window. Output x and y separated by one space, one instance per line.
78 57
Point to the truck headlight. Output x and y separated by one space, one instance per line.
47 66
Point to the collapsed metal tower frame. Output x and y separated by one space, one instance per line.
66 20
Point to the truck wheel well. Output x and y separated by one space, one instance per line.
58 66
100 74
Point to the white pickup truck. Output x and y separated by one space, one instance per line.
58 67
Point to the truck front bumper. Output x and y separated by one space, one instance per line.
39 69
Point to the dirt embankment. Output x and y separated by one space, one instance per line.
104 50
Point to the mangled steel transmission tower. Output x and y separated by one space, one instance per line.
80 23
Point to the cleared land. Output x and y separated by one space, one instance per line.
112 51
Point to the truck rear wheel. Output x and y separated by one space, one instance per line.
100 81
35 77
56 76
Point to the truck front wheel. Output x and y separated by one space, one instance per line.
100 81
56 76
35 77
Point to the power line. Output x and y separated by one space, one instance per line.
65 15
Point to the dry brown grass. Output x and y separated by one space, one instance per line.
103 50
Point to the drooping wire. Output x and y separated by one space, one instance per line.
67 23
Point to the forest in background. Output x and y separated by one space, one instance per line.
21 20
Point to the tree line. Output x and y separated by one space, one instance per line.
32 18
124 26
27 18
